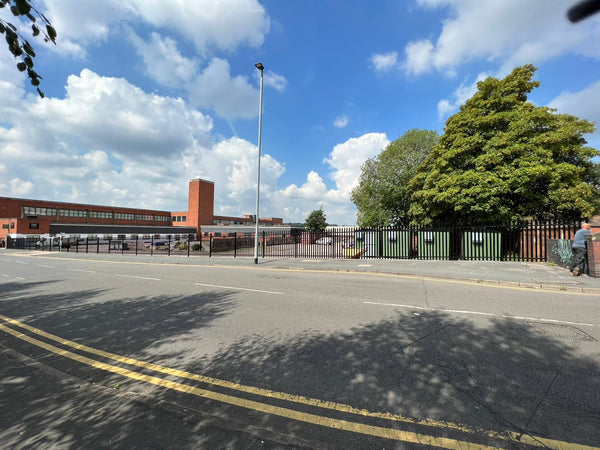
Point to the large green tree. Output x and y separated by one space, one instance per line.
20 48
503 158
382 197
316 220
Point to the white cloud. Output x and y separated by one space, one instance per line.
347 158
419 57
446 107
383 62
340 122
163 61
19 188
209 24
583 104
508 31
230 97
224 24
278 82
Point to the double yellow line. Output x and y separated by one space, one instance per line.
315 419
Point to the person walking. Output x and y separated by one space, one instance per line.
579 262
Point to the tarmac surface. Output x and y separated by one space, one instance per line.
212 432
534 275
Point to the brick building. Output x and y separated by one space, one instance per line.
20 217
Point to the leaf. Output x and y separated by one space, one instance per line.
41 93
35 81
28 49
15 10
22 67
35 29
51 33
28 61
2 28
23 7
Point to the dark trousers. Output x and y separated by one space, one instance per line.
579 259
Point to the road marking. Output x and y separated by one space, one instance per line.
21 262
6 276
485 283
479 313
19 278
284 412
136 276
238 288
46 265
355 427
80 270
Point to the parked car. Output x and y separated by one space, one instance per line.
325 241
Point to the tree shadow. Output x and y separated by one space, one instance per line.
505 376
501 375
61 403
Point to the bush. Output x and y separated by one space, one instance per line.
181 246
197 247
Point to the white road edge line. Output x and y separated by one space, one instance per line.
136 276
21 262
45 265
238 288
478 313
81 270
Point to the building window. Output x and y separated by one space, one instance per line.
73 213
12 225
34 226
124 216
101 214
39 211
162 218
5 226
143 217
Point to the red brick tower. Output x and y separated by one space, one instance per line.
200 203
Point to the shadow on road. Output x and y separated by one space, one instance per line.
506 375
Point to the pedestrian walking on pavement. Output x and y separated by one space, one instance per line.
579 262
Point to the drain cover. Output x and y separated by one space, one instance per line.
560 331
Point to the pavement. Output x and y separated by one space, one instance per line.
533 275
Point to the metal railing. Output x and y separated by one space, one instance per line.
523 241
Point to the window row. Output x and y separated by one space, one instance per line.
39 211
179 218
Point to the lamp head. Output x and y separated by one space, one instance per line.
259 66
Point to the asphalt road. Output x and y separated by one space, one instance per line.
117 354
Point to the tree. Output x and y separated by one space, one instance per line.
316 220
382 195
20 47
503 158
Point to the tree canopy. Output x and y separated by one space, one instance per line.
20 48
503 158
382 195
316 220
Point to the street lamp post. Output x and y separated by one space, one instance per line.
260 67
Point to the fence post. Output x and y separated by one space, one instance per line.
263 245
210 247
152 246
188 244
136 244
109 241
235 244
122 246
169 251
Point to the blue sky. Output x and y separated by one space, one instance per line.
143 95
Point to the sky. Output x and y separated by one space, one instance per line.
144 95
